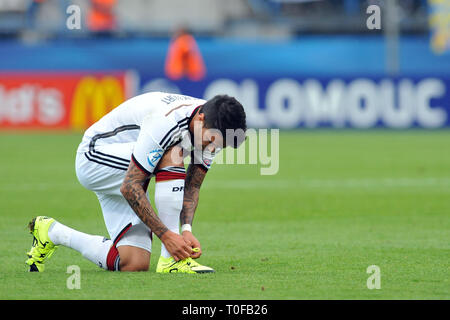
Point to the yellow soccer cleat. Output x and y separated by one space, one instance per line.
42 247
188 265
199 268
169 265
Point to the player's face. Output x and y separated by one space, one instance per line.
212 139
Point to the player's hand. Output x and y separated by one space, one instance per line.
176 245
189 238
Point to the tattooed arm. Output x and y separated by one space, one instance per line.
133 191
194 178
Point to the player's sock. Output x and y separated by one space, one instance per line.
169 191
97 249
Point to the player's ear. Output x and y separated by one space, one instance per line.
201 116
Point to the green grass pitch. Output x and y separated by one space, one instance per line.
341 201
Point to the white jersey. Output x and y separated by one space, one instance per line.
152 122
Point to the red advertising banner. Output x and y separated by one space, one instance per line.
60 100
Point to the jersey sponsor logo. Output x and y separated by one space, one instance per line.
175 189
154 156
207 162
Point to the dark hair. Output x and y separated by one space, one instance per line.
224 112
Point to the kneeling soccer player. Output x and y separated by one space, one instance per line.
144 137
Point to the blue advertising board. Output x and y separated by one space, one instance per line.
360 102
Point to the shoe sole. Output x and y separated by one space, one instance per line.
204 271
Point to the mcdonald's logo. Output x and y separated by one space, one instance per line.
93 98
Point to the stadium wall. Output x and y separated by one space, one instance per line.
309 82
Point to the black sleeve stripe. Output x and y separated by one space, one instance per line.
169 134
174 136
172 139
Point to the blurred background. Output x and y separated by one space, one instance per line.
292 63
344 198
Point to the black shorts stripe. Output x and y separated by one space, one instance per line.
109 160
174 169
105 163
111 134
111 156
122 233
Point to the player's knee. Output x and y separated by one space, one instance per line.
133 259
134 266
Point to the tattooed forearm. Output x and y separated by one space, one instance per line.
194 178
133 191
